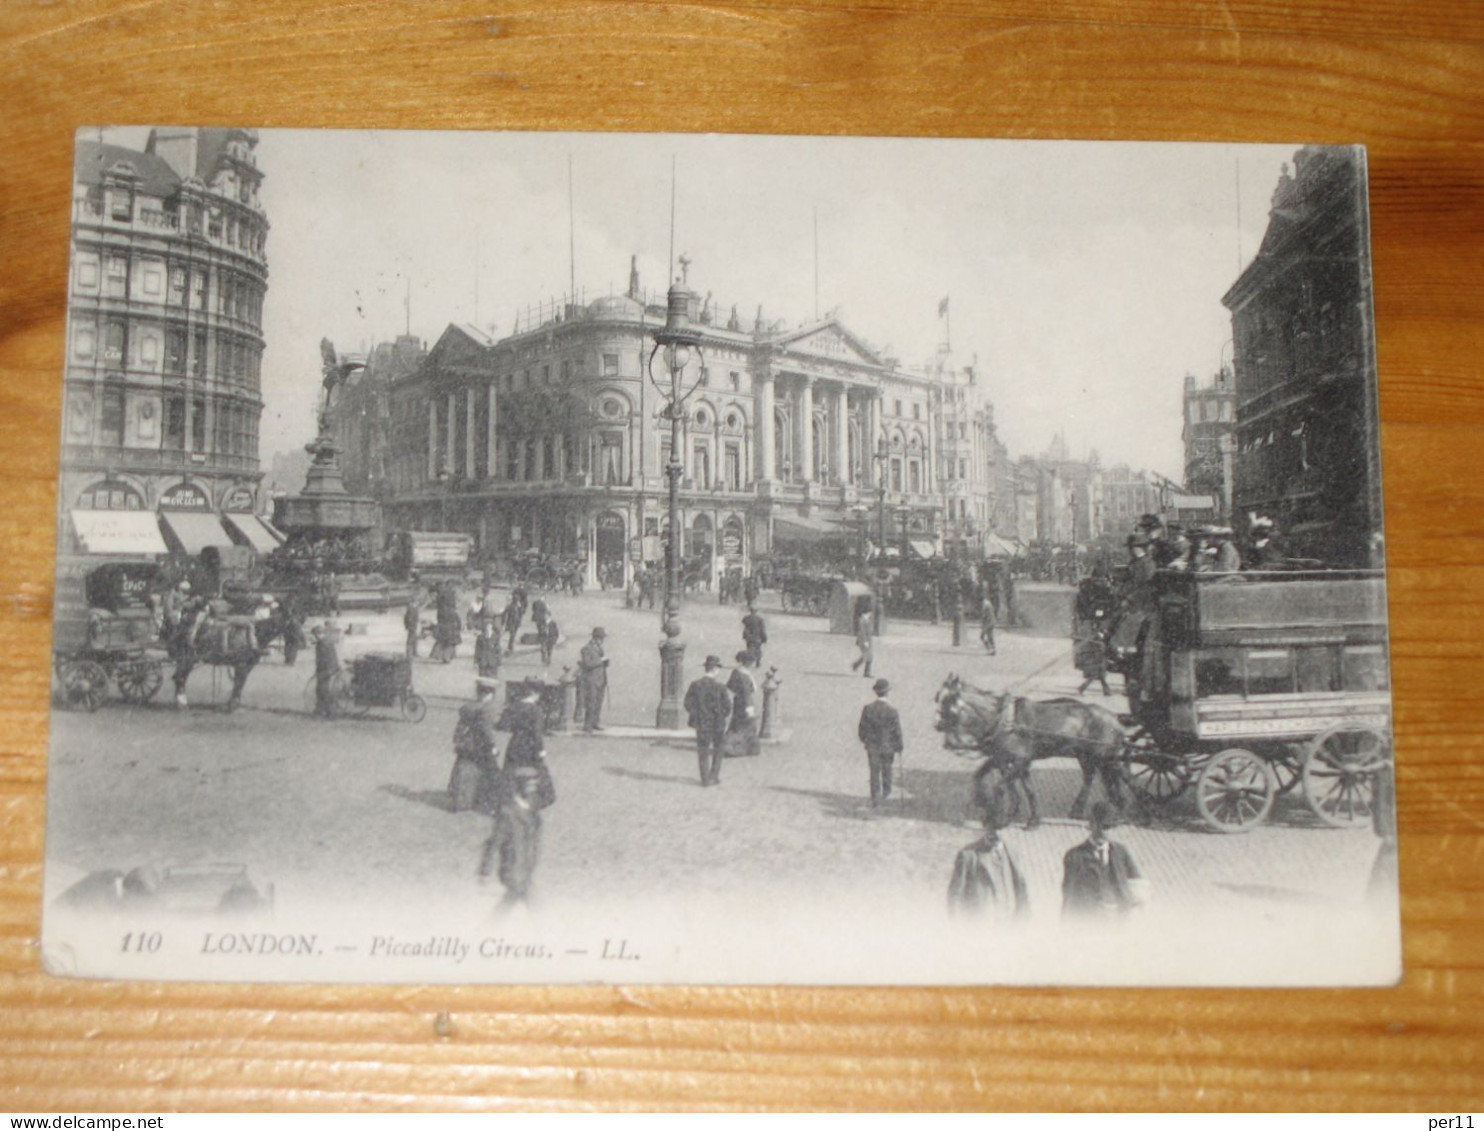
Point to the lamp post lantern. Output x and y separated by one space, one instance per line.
678 339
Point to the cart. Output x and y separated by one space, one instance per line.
1246 686
376 679
105 638
806 593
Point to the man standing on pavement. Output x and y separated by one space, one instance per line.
475 777
592 681
880 731
547 636
326 668
863 641
1099 877
987 883
515 611
707 707
540 614
742 740
754 632
516 840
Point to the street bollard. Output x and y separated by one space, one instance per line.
958 627
772 705
569 699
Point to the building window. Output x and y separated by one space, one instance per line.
610 365
898 407
917 412
610 462
736 379
734 466
115 343
111 430
117 282
149 348
87 274
175 423
702 463
84 341
548 458
896 474
915 470
153 283
176 297
123 205
198 363
198 290
175 352
198 425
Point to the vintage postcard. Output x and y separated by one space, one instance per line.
619 558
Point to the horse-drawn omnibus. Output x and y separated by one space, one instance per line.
105 634
1241 686
1248 684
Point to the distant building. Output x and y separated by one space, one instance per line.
550 438
1307 430
361 417
1209 433
164 343
1127 495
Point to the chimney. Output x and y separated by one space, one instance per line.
176 146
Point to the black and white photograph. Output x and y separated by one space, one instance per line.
644 558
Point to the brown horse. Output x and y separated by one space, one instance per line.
1012 732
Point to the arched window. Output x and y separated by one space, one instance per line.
783 445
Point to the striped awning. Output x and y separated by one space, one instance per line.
118 532
254 531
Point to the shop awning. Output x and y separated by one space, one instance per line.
194 531
798 528
257 532
998 547
923 549
118 532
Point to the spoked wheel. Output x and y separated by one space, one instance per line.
311 697
84 684
1340 774
819 605
343 695
1159 777
1287 768
1235 791
414 707
139 681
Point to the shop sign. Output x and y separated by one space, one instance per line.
238 499
185 497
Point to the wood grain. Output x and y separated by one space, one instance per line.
1403 77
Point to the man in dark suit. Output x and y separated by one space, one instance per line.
592 681
754 633
1099 877
708 707
881 731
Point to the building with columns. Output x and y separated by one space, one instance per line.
162 392
551 438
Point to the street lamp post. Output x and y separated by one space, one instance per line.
678 339
860 511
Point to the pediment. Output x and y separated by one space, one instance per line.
459 346
831 341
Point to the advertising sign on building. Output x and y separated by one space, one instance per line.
186 497
238 500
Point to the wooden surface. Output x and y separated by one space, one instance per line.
1402 76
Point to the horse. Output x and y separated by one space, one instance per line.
219 641
1012 732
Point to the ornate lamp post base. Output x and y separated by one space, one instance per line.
668 716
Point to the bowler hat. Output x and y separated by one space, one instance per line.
881 686
712 662
1103 815
744 657
600 634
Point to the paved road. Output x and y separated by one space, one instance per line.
352 809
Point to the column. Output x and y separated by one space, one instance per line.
491 438
842 436
432 439
449 449
469 432
763 408
804 444
875 474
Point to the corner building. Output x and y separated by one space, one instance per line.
162 385
551 438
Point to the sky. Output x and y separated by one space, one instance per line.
1084 277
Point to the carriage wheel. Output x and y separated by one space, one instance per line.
84 684
1340 774
414 707
139 680
1159 777
1287 769
819 605
310 697
342 695
1235 791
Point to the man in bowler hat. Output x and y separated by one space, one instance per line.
880 730
708 707
1100 879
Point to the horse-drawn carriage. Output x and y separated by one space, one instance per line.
806 592
1241 686
107 636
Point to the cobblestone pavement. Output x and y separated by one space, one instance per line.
356 805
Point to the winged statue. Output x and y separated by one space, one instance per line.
336 373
